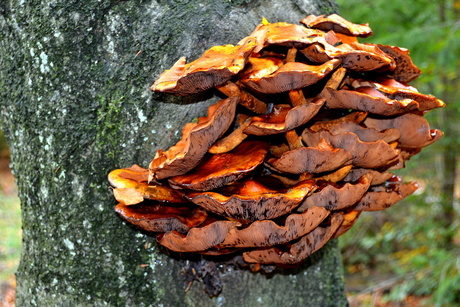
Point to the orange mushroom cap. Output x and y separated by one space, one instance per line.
197 239
223 169
337 24
283 118
195 142
336 197
269 233
365 154
131 187
250 200
317 159
405 70
366 134
376 176
162 218
382 197
300 250
415 130
290 76
368 100
426 102
353 56
216 66
285 34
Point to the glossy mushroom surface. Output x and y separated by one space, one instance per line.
310 125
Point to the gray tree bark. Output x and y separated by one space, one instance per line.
75 104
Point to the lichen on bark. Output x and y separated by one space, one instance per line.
74 80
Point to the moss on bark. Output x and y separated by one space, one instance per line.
74 85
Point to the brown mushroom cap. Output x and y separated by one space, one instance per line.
253 201
406 70
336 197
290 76
404 155
198 238
426 102
415 130
162 218
367 99
283 118
337 24
216 66
258 67
318 159
366 134
285 34
195 142
131 187
354 117
376 176
380 198
223 169
300 250
353 56
349 219
390 82
365 154
269 233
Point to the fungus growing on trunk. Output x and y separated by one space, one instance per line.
162 218
290 76
251 200
316 159
283 118
223 169
216 66
272 181
269 233
338 24
197 138
300 250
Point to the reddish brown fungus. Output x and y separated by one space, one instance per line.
216 66
162 218
223 169
195 142
253 201
338 24
131 187
293 155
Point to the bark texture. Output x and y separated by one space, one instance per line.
75 104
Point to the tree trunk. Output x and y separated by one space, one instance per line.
449 116
75 104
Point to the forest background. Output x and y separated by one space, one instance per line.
411 251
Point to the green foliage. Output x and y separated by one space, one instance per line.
412 240
399 243
10 235
396 242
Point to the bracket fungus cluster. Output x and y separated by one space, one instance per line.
308 129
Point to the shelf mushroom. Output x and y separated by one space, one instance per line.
312 126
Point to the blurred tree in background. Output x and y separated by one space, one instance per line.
424 235
430 30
